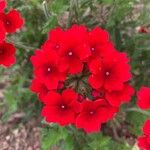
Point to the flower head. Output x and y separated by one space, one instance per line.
87 61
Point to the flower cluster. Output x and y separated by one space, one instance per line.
143 96
80 77
9 23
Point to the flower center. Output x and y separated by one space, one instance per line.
49 69
70 53
91 112
1 51
92 49
7 22
62 106
57 46
107 73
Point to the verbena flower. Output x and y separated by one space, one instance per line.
12 20
80 77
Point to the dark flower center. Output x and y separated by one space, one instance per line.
7 22
101 94
1 51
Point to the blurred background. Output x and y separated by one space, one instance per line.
21 127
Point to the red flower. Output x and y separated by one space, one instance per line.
101 51
2 5
72 57
7 54
143 96
99 43
61 109
12 21
74 49
93 114
54 41
144 141
38 87
116 98
111 73
46 68
2 32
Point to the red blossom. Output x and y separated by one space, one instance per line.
99 43
144 141
61 109
109 72
46 68
7 54
2 5
116 98
54 41
74 49
73 58
143 96
93 114
12 20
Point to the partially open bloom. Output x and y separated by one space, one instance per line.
144 141
12 20
61 109
7 54
87 62
143 96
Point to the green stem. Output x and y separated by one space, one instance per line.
21 45
134 109
45 8
73 12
